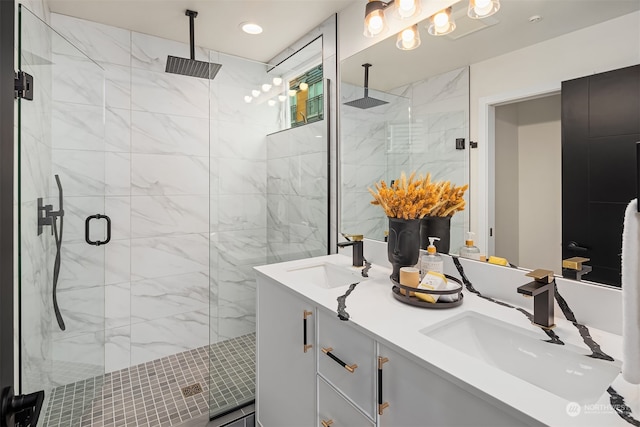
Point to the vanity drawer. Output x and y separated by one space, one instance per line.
340 348
335 411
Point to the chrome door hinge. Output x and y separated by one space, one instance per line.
23 87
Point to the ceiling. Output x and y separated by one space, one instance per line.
217 24
393 68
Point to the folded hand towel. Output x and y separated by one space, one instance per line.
631 294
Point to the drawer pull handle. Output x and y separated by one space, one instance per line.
385 405
349 368
326 423
305 346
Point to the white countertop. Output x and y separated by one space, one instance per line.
374 311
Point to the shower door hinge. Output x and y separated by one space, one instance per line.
23 87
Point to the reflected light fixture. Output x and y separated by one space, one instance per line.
441 23
266 87
407 8
292 92
255 93
282 98
304 86
479 9
409 38
271 102
248 99
374 21
277 81
251 28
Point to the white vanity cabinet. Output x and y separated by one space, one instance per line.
286 373
336 411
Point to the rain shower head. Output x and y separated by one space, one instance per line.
190 66
367 101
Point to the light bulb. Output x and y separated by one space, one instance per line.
271 102
479 9
248 99
266 87
292 92
409 38
408 35
483 7
255 93
277 81
407 8
441 20
251 28
304 86
376 24
282 98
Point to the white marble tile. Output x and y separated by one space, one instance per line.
165 256
160 92
169 296
117 305
77 209
169 215
241 212
82 173
232 108
308 174
238 248
78 80
117 132
117 262
83 311
238 71
82 266
119 210
150 52
117 85
78 127
155 174
170 335
78 357
238 176
250 143
236 310
450 84
154 133
278 178
118 174
117 349
98 41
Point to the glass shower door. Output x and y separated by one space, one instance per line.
62 226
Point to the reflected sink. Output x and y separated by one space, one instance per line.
564 370
326 275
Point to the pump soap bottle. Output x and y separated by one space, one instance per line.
469 250
432 261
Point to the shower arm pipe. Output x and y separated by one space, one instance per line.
366 79
638 176
192 39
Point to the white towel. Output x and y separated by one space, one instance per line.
631 294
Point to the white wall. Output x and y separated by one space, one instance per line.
610 45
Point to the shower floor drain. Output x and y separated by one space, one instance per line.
191 390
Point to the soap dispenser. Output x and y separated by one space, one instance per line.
431 261
469 250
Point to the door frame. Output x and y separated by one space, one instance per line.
486 156
8 322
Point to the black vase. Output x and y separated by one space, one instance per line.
403 246
436 226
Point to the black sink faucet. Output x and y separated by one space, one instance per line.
542 289
355 240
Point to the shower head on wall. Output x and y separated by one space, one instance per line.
367 101
190 66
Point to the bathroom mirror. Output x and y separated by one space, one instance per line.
475 48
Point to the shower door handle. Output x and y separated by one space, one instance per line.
87 228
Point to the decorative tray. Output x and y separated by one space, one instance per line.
407 298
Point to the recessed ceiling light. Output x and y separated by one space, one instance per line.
251 28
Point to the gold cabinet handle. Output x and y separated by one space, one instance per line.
305 346
381 406
350 368
326 423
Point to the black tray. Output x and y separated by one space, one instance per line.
413 300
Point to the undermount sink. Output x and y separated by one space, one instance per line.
564 370
326 275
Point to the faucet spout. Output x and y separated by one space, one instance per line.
542 289
358 249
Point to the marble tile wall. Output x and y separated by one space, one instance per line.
381 137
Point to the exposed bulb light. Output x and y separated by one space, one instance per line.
292 92
271 102
374 21
282 98
409 38
479 9
304 86
277 81
251 28
248 99
266 87
441 23
407 8
255 93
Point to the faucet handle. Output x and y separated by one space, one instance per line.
574 263
353 237
541 275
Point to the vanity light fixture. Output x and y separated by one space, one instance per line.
248 99
255 93
266 87
407 8
277 81
441 23
479 9
304 86
282 98
271 102
251 28
374 20
292 92
409 38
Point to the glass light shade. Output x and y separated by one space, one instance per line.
409 38
407 8
277 81
255 93
374 20
266 87
282 98
292 92
441 23
248 99
304 86
479 9
271 102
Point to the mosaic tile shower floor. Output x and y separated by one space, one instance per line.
150 394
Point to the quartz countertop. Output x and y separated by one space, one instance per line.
374 311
